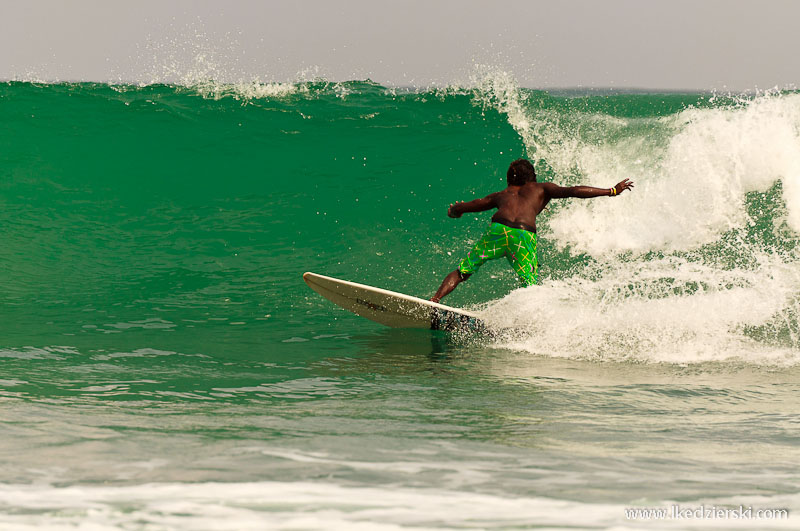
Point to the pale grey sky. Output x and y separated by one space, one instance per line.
676 44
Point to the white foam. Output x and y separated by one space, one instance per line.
321 505
692 168
605 320
671 310
691 185
672 276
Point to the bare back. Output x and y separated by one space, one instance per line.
520 204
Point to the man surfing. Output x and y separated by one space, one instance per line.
512 232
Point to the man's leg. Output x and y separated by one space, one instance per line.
522 257
449 284
487 248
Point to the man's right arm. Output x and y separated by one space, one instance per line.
555 191
476 205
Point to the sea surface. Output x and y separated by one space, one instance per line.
163 365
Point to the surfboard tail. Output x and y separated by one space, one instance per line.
453 322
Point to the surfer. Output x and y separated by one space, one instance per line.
512 232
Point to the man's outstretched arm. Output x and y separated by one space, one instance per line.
585 192
476 205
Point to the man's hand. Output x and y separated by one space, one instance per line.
623 185
452 211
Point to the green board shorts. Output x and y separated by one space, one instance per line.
517 245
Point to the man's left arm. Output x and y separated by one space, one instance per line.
585 192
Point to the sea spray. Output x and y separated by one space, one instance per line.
697 264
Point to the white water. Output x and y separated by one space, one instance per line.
674 275
301 505
691 183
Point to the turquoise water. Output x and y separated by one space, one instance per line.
165 367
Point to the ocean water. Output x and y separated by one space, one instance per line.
163 365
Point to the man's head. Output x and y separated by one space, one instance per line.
520 172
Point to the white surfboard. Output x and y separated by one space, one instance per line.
393 309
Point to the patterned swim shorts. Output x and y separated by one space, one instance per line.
517 245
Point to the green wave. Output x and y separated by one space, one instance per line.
210 200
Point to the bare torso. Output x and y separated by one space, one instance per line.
520 204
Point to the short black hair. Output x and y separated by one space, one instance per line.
520 172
